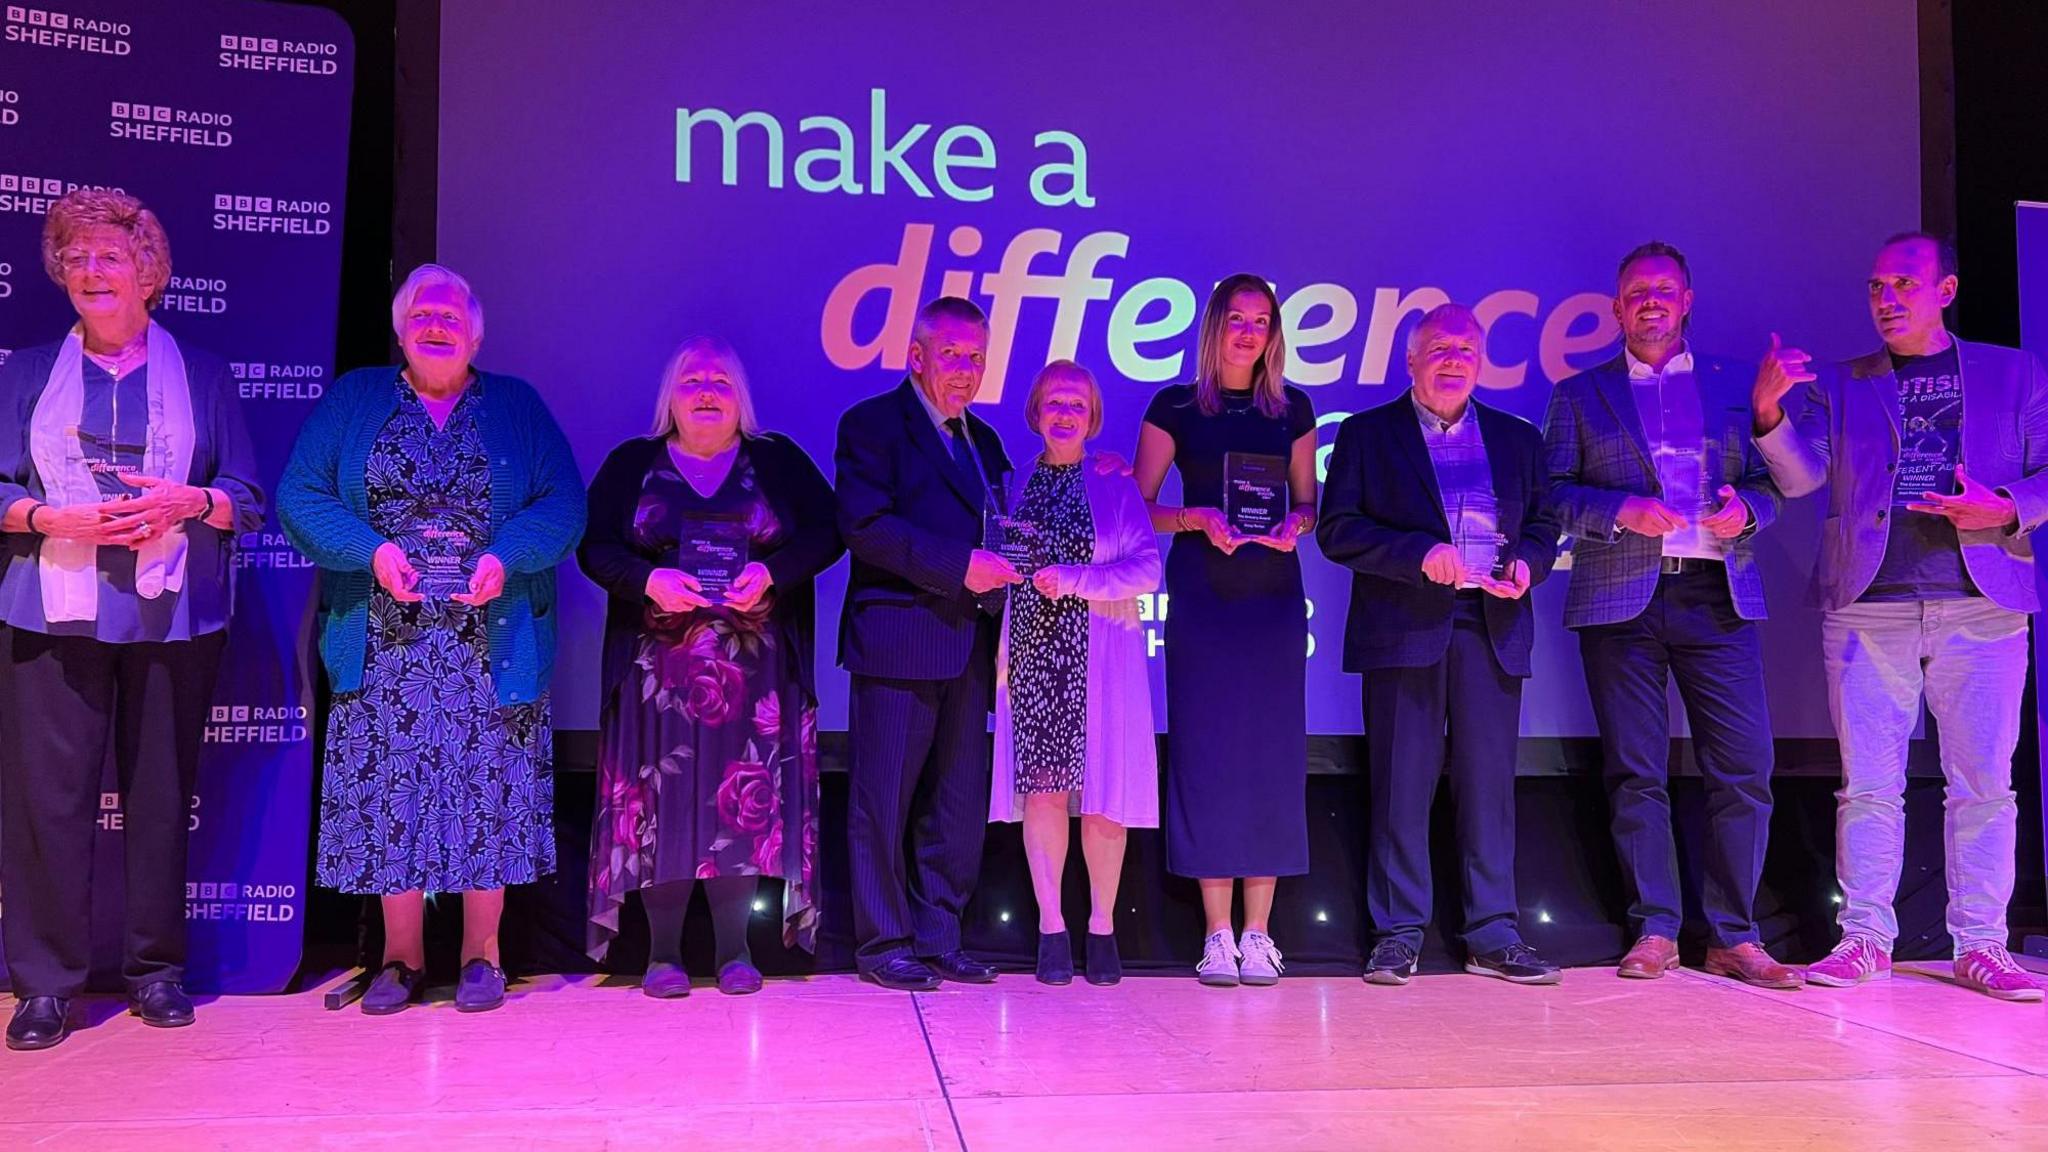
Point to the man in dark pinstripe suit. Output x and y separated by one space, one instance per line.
918 635
1654 473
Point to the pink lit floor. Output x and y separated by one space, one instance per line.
1450 1062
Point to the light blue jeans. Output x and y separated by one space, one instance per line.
1969 658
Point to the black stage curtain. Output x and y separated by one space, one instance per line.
1573 905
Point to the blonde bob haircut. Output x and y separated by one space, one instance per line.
722 355
1054 375
84 208
434 276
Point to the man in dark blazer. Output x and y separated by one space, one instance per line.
1653 473
918 635
1437 504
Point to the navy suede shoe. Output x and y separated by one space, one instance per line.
481 987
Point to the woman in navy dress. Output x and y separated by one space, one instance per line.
1236 628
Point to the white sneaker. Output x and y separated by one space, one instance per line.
1261 959
1218 968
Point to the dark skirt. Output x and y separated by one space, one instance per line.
1237 716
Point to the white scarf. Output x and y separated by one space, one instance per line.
69 569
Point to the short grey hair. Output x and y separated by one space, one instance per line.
1436 317
433 276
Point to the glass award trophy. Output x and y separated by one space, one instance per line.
1005 531
714 550
1484 555
1925 462
1254 492
439 546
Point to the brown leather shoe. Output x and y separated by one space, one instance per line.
1652 957
1750 964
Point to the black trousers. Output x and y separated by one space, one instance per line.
1460 716
918 807
1691 633
62 698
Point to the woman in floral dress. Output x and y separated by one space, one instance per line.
708 768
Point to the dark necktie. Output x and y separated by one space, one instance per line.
963 455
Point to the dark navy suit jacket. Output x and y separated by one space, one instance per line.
910 518
1381 514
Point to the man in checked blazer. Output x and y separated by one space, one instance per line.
1654 474
918 635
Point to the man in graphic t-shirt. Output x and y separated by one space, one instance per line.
1933 450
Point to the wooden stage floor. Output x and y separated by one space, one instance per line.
1450 1062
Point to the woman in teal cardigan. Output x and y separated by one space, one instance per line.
437 500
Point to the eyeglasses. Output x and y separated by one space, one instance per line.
76 259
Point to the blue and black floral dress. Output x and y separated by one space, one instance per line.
430 784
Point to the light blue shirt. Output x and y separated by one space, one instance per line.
1668 402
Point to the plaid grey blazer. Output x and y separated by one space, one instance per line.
1598 456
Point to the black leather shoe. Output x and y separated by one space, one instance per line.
39 1022
1105 967
1055 958
961 968
904 973
161 1005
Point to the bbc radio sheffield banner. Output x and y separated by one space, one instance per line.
229 118
796 177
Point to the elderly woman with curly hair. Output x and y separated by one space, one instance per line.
123 486
708 768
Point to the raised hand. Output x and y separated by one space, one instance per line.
1782 370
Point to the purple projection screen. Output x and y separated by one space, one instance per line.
796 178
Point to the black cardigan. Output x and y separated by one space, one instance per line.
794 489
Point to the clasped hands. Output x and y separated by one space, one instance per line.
162 506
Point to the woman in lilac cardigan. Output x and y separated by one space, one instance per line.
1073 697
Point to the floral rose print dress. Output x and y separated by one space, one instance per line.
708 763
